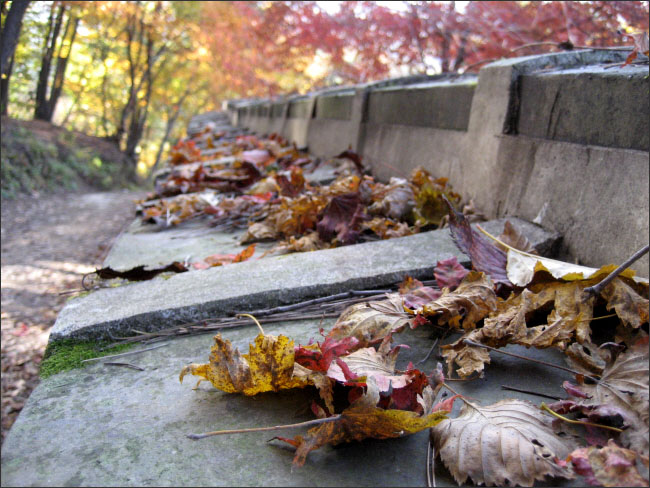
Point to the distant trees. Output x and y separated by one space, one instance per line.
134 72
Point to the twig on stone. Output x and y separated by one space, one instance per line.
530 392
126 365
596 289
476 344
264 429
545 407
435 343
124 353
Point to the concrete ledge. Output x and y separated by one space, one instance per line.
589 105
337 106
192 296
442 105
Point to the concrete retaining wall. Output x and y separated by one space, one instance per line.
561 139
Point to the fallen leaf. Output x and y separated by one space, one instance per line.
508 443
485 256
513 238
416 295
430 195
371 322
607 466
139 273
472 301
395 200
449 273
624 384
362 420
269 366
339 218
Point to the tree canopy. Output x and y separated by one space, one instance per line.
134 72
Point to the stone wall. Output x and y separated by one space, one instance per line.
559 139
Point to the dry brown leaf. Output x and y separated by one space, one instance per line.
571 311
363 419
269 366
608 466
472 301
259 231
371 322
508 443
514 238
624 384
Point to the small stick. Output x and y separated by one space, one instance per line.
596 289
124 353
435 343
431 464
259 326
476 344
544 407
264 429
512 388
126 365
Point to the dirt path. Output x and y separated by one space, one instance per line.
48 243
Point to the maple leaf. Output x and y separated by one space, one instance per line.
508 443
370 322
472 301
362 420
608 466
317 357
222 259
449 273
269 366
293 185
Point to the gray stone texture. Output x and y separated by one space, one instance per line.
110 426
560 106
253 284
442 105
338 106
572 109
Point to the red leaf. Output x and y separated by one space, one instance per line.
449 273
485 256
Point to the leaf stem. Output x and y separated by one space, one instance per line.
596 289
545 407
259 326
476 344
264 429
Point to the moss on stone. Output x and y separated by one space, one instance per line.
68 354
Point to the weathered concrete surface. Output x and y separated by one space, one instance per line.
254 284
439 104
588 192
152 247
108 426
560 106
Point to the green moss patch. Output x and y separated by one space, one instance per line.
68 354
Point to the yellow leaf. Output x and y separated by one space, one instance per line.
269 366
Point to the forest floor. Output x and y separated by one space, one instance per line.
48 242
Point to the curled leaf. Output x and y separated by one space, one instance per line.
371 322
472 301
363 419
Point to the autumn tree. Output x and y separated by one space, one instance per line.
11 24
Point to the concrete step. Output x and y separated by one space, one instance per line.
255 284
109 426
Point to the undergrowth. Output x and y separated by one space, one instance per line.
31 164
67 354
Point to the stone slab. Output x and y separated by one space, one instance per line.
107 426
588 105
254 284
150 246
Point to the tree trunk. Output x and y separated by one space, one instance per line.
61 65
41 110
8 41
